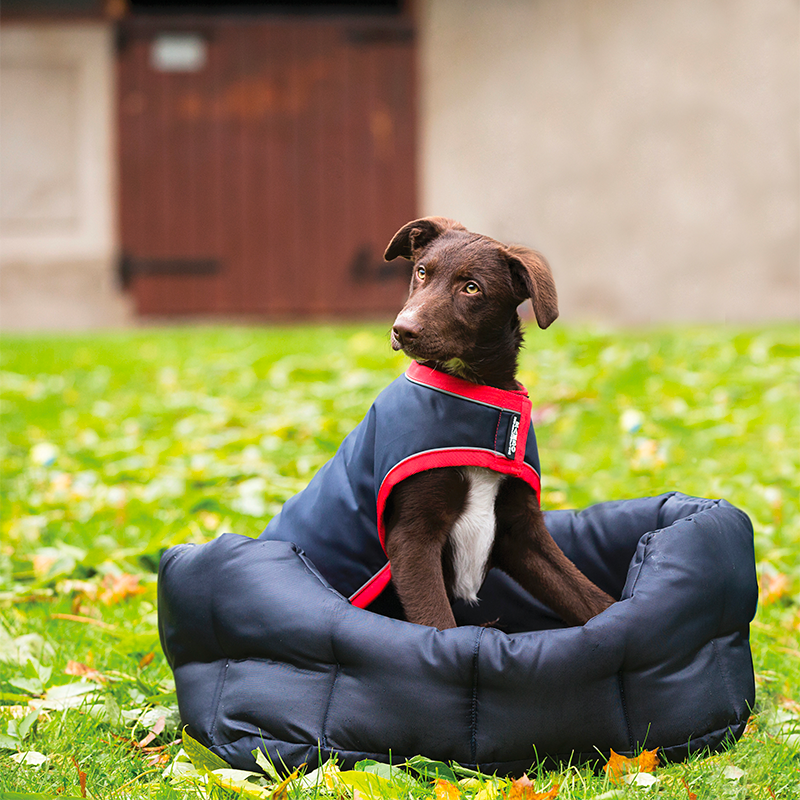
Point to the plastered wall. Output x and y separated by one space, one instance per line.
649 149
57 177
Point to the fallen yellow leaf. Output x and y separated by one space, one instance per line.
618 765
281 791
490 791
444 790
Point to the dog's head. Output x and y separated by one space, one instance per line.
465 288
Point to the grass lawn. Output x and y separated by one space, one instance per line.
119 445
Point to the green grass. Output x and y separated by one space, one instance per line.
119 445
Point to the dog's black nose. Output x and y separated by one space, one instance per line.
404 331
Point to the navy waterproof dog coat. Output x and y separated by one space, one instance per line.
423 420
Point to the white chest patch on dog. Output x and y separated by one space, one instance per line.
472 536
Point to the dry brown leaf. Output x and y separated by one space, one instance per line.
692 795
444 790
120 587
158 759
141 748
522 789
84 671
85 620
154 731
618 765
146 660
790 705
648 760
774 586
81 776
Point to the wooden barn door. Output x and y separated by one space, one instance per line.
265 163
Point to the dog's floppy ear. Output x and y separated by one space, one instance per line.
531 270
418 233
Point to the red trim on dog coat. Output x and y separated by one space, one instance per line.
423 420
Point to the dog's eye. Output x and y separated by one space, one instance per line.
472 288
421 273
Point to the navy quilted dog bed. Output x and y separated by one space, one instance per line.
266 654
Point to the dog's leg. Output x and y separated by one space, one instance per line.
420 515
525 550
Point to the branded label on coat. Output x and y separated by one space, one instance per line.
513 434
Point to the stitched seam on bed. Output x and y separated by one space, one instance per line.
725 676
644 558
719 531
324 735
220 686
621 687
474 711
